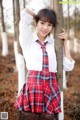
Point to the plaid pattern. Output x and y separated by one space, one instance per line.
45 67
40 93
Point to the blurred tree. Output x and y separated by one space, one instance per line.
20 64
24 3
2 16
16 13
75 20
14 20
3 32
68 21
51 4
17 18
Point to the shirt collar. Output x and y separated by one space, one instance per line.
35 37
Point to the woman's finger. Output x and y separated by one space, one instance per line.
61 34
63 30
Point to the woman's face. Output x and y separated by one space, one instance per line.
43 29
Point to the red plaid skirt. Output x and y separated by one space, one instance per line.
40 94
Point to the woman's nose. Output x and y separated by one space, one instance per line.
45 27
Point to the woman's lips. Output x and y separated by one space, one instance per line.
44 32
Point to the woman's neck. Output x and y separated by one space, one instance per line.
42 39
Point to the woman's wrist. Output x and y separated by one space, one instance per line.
29 11
65 43
66 50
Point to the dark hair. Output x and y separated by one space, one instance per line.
47 15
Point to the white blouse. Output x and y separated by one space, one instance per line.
32 51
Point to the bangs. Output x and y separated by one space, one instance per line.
45 19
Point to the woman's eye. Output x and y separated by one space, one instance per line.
49 24
42 23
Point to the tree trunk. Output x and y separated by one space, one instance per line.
58 43
2 16
15 36
59 50
75 20
14 19
68 23
15 33
75 31
23 3
3 32
20 64
51 2
16 13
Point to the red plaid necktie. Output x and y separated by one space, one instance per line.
45 67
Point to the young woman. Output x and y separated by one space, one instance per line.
40 95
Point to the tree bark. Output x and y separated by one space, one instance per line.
20 63
3 32
14 19
58 43
75 20
68 22
23 3
2 16
16 13
59 51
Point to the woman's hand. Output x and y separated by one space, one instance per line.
29 11
63 36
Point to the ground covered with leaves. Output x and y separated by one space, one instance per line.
9 87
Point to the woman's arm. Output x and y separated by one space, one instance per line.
29 11
25 30
66 51
68 62
63 37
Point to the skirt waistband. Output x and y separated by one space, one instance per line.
41 72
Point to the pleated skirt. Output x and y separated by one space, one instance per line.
40 93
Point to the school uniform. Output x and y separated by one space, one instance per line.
41 92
